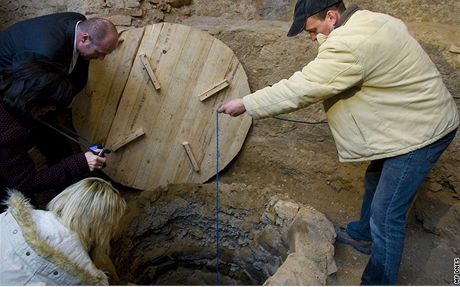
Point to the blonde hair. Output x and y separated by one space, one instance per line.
92 208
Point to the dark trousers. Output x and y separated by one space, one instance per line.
390 187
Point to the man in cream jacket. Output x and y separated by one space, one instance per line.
385 102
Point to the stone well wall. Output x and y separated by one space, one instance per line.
141 12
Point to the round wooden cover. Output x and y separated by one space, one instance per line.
153 101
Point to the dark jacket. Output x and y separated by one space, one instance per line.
17 170
50 36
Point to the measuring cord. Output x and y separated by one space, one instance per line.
217 200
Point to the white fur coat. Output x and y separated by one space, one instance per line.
37 249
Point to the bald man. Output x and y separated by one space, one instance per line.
65 38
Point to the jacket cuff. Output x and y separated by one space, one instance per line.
78 165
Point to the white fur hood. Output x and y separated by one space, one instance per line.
52 241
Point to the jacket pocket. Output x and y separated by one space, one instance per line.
358 128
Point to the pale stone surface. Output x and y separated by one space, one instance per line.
276 9
178 3
115 3
311 237
135 12
286 210
297 270
132 3
120 20
440 216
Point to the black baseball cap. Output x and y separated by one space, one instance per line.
305 9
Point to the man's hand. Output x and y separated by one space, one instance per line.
233 108
94 161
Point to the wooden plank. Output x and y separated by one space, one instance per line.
187 62
94 109
146 63
183 51
215 68
129 138
191 157
161 115
128 161
217 87
221 63
202 61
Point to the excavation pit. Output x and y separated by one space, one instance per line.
169 238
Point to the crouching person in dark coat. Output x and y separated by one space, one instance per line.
28 90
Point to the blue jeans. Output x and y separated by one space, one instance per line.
390 186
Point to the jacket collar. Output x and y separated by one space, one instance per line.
346 15
70 40
21 209
321 38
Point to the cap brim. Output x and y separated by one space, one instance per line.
296 27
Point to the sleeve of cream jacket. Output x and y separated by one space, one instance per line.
334 70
